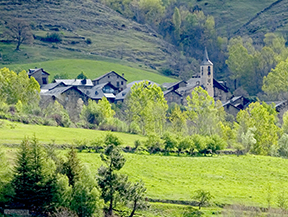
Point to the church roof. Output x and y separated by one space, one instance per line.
206 60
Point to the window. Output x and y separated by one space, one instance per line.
122 82
108 76
209 70
117 83
202 70
44 80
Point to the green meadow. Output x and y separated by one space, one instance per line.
93 69
231 179
13 133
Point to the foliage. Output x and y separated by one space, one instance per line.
5 178
95 113
283 145
58 113
18 30
147 107
136 196
170 141
18 87
82 75
203 197
202 112
153 143
178 120
34 184
53 37
256 115
110 182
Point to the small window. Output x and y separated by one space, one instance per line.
117 83
122 82
202 70
108 76
44 80
96 92
209 70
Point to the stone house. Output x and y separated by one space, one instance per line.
173 96
70 97
40 75
115 79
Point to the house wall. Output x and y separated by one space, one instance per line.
231 110
221 95
39 77
173 97
114 79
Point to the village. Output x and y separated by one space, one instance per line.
74 92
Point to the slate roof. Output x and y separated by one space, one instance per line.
57 91
50 86
102 76
220 85
75 82
171 90
96 92
33 71
206 60
171 85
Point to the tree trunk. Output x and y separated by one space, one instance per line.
110 211
134 209
18 45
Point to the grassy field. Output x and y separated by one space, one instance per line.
13 133
93 69
231 179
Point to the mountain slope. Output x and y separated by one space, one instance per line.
111 34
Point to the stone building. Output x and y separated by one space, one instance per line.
40 75
115 79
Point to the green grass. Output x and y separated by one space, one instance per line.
231 179
13 133
92 68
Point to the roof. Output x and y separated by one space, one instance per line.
220 85
134 82
206 60
33 71
171 90
51 86
96 92
102 76
56 91
194 81
75 82
170 85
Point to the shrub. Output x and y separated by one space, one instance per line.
88 41
153 143
134 128
53 37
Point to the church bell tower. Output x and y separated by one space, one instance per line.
206 74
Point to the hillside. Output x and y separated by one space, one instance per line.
231 179
75 21
93 69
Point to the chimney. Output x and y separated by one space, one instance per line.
35 67
123 75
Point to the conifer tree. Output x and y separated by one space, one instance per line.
109 181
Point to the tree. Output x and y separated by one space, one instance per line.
18 30
136 196
110 182
34 180
202 112
5 178
82 75
72 168
152 9
276 81
177 23
18 87
266 132
203 197
178 119
147 107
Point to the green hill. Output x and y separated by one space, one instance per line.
111 34
93 69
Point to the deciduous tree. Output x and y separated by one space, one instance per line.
18 30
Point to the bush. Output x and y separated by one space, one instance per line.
88 41
53 37
113 124
283 145
134 128
153 143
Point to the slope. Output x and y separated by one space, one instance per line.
76 21
93 69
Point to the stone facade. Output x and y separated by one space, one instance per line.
115 79
40 76
172 96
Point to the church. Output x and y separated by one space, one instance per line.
205 78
